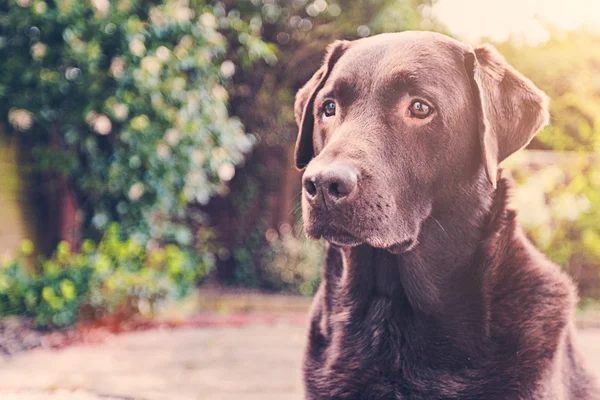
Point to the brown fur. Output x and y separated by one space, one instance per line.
430 290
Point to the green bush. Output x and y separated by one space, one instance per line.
559 193
570 78
127 100
292 262
117 276
558 199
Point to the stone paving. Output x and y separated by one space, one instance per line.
249 357
258 361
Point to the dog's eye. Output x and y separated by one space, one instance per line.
329 108
420 109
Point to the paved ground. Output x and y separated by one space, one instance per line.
251 362
258 361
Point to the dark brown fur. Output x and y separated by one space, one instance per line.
430 290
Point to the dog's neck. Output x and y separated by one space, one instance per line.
441 262
439 275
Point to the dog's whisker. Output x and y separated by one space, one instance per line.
438 222
295 209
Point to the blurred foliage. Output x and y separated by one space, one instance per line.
567 68
125 98
126 101
558 199
558 193
117 276
293 263
131 102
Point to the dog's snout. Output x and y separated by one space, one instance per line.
331 184
339 182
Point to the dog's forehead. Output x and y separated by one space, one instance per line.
418 53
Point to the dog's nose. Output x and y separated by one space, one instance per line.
332 184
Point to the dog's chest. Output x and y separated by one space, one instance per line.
372 352
359 355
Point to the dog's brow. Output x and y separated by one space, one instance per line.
400 77
400 81
344 90
392 83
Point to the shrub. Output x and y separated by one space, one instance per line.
127 99
117 276
558 199
292 262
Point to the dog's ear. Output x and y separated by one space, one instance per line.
305 98
511 109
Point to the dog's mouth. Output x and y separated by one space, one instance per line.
334 235
346 239
402 247
342 237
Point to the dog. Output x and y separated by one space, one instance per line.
429 289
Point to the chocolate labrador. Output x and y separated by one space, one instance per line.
430 290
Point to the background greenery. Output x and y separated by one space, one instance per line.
163 131
559 192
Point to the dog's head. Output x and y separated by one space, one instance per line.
392 125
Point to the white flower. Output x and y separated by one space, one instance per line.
195 178
137 47
102 125
117 67
219 93
38 50
163 151
226 172
101 6
208 20
198 156
136 191
163 53
228 69
186 41
172 136
156 16
219 153
120 111
202 198
99 123
183 14
20 119
151 65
